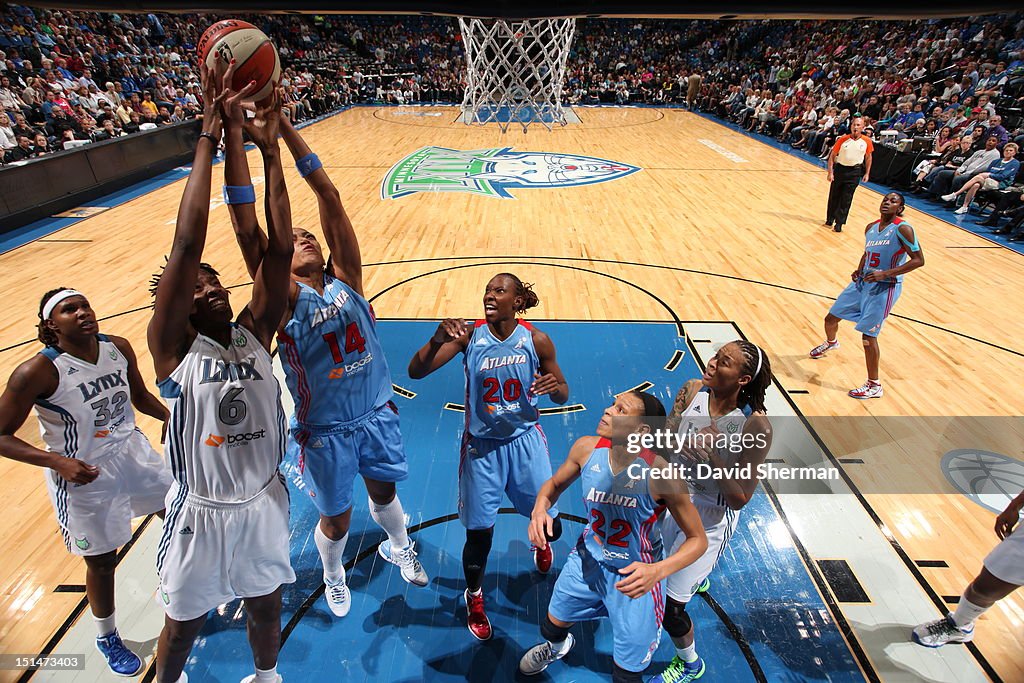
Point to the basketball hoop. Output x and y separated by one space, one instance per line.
515 70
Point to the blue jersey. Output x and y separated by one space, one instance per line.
499 374
885 248
623 515
330 351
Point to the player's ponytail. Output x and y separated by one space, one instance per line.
759 367
524 290
44 333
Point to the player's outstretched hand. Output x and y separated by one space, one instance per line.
642 577
1007 520
542 525
231 102
450 329
543 384
264 127
76 471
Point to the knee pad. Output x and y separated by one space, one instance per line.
676 621
552 633
620 675
556 530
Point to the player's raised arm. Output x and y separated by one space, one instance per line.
541 523
169 328
238 190
450 338
271 289
346 261
549 381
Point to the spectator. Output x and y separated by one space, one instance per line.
999 175
954 156
41 146
107 132
946 180
20 153
8 138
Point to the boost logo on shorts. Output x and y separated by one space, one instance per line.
234 440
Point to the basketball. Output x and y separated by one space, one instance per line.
256 57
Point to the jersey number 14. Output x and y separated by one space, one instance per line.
353 342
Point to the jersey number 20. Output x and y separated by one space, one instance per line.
511 391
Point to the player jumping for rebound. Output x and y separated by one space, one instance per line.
345 422
509 365
226 532
615 570
891 250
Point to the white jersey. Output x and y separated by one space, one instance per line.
89 416
705 491
226 432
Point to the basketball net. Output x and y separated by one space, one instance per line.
515 70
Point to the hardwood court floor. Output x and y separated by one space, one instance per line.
716 226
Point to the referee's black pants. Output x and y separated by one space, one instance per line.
840 194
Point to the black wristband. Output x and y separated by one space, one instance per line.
211 137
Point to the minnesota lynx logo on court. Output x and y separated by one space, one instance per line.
493 172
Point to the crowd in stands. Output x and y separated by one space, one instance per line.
71 77
953 89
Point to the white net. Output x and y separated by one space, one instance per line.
515 70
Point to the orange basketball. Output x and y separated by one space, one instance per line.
255 55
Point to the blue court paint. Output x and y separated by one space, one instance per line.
396 632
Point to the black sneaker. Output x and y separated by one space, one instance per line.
838 228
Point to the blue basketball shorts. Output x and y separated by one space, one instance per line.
488 468
330 458
868 304
585 590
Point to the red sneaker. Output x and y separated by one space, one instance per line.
476 618
542 558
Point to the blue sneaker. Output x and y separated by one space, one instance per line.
120 659
679 671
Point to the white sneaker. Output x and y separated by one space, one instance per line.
949 197
962 210
941 631
538 657
868 390
339 599
821 349
251 678
412 570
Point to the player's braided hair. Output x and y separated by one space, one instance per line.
154 281
44 333
524 290
752 393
